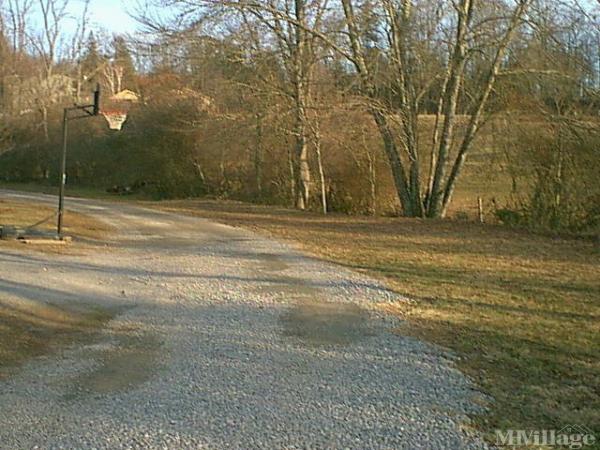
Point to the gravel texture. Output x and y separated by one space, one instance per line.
222 339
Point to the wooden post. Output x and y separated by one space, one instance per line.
480 209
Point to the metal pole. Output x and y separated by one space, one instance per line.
63 175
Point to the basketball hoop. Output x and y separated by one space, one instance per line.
115 118
116 109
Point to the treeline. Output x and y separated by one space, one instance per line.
380 107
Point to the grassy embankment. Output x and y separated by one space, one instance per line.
31 328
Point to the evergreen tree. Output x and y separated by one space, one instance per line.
92 61
124 60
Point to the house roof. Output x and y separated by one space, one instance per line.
126 95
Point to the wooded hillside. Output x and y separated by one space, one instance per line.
379 107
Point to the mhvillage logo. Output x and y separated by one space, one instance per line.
571 436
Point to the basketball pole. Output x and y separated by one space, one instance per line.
90 111
63 174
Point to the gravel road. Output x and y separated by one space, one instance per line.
221 339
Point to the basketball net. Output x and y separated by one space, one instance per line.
115 119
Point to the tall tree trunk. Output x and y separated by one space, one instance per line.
398 18
455 76
477 113
372 183
391 151
44 114
558 177
292 176
406 195
258 154
414 164
301 73
302 168
434 145
317 136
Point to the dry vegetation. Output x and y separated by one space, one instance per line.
521 310
33 328
327 112
29 329
25 215
224 114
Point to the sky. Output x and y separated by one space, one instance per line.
112 14
106 14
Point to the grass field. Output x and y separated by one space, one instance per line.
521 311
24 215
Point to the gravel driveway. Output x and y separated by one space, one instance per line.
222 339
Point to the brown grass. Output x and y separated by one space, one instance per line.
522 311
26 214
27 328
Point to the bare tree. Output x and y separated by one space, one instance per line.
18 16
113 75
78 47
315 125
46 43
297 50
397 17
